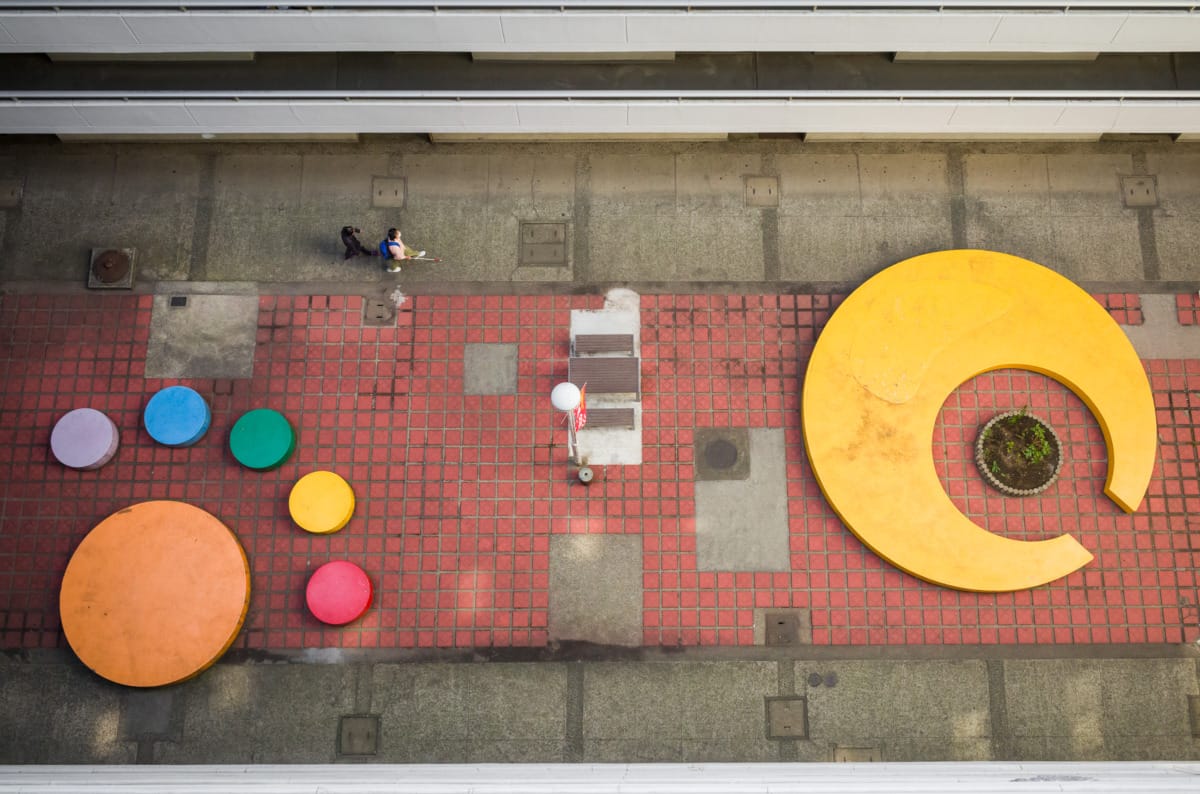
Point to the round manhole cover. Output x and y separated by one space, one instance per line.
720 454
111 266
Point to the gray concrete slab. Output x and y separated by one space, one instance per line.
480 713
1088 250
713 182
904 184
213 336
685 711
73 203
531 187
692 246
340 179
634 184
888 239
271 213
1112 709
1064 211
261 714
908 710
823 248
1177 219
60 714
1088 185
257 231
1006 184
1177 238
596 589
489 368
741 525
819 184
844 217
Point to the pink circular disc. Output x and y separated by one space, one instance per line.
338 592
84 439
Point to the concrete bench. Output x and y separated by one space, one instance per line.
607 375
610 417
591 344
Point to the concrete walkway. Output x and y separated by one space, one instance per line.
680 610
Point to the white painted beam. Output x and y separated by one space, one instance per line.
942 114
871 28
825 778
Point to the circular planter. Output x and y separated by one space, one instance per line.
1006 424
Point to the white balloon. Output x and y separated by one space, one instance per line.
565 397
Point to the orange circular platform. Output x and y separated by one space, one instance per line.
155 594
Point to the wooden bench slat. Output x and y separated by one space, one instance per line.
607 375
604 343
610 417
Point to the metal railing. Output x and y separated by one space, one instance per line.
951 95
742 6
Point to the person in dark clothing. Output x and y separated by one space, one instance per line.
353 246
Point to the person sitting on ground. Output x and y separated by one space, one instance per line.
395 251
353 246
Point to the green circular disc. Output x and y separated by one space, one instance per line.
262 439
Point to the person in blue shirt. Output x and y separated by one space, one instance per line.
394 251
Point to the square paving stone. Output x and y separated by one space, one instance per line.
596 589
490 369
211 336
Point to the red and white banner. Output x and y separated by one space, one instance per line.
579 415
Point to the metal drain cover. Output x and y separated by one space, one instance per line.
787 717
358 734
377 311
111 268
722 453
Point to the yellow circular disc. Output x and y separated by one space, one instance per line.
899 345
321 502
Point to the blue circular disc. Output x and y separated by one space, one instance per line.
177 416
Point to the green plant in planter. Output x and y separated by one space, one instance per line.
1037 449
1019 452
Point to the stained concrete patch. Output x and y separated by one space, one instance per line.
692 711
462 712
60 714
213 336
490 369
928 710
596 589
1061 211
741 525
1104 709
262 714
1161 335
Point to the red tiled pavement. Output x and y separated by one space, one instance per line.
459 495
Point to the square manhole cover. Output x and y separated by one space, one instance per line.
1139 191
762 191
543 244
722 453
389 191
377 311
782 628
857 755
358 734
787 717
